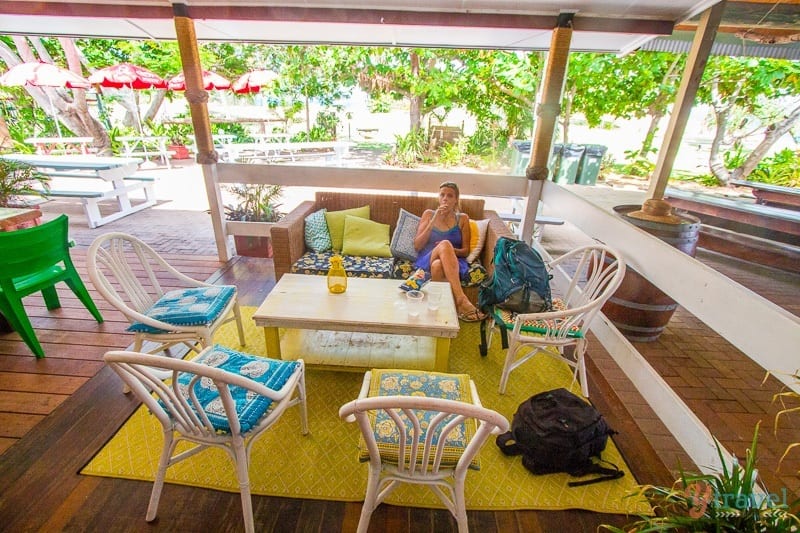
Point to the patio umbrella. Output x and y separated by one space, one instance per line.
40 74
211 81
130 76
252 82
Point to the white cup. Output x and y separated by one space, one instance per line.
414 302
434 298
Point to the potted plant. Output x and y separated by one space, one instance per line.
731 500
251 218
18 180
178 139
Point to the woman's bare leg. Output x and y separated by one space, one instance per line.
444 267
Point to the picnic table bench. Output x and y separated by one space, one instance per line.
147 147
116 171
767 193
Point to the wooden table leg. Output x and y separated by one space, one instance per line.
442 352
273 343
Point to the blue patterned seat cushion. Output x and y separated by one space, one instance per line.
318 263
197 306
474 276
250 407
391 382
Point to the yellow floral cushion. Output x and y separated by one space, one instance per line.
391 382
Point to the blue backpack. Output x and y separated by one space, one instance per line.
520 282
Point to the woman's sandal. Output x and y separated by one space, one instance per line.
473 315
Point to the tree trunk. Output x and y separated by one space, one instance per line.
415 101
649 138
773 133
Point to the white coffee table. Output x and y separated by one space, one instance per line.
365 327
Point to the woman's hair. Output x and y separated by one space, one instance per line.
451 185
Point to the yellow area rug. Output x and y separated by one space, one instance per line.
323 465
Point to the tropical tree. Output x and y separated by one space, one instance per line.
765 90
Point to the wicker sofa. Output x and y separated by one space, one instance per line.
288 241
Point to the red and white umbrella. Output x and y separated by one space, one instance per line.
127 75
39 74
130 76
211 80
252 82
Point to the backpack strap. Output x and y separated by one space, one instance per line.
606 474
508 444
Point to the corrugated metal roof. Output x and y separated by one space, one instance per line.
725 44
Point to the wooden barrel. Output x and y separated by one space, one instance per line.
639 309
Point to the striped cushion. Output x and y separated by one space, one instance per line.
505 318
197 306
418 383
250 407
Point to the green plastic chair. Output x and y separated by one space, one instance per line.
32 260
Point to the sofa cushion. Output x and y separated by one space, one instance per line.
317 236
318 263
335 220
477 236
474 276
402 245
365 237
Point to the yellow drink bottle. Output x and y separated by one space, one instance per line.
337 277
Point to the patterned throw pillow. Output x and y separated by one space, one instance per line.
317 236
402 245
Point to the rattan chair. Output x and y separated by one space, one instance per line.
128 274
449 433
594 272
222 399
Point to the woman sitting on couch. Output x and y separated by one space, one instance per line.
442 241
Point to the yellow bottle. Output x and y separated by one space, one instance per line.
337 277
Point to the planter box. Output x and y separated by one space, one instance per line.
181 152
251 238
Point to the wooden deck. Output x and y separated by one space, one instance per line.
55 413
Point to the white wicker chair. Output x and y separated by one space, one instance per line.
212 405
427 421
126 272
598 274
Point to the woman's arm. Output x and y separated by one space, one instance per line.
463 223
424 230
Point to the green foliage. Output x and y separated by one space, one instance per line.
453 154
256 203
707 180
783 169
18 180
637 165
235 128
729 501
409 149
380 103
734 158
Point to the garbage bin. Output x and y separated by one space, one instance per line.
571 155
555 161
520 157
589 168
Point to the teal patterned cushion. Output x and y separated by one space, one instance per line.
250 407
356 266
198 306
317 236
402 245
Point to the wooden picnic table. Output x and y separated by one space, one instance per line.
117 171
767 193
146 147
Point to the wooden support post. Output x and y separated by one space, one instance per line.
656 208
547 114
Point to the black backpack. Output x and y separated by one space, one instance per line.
520 282
557 431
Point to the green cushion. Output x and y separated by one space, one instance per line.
365 237
335 220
